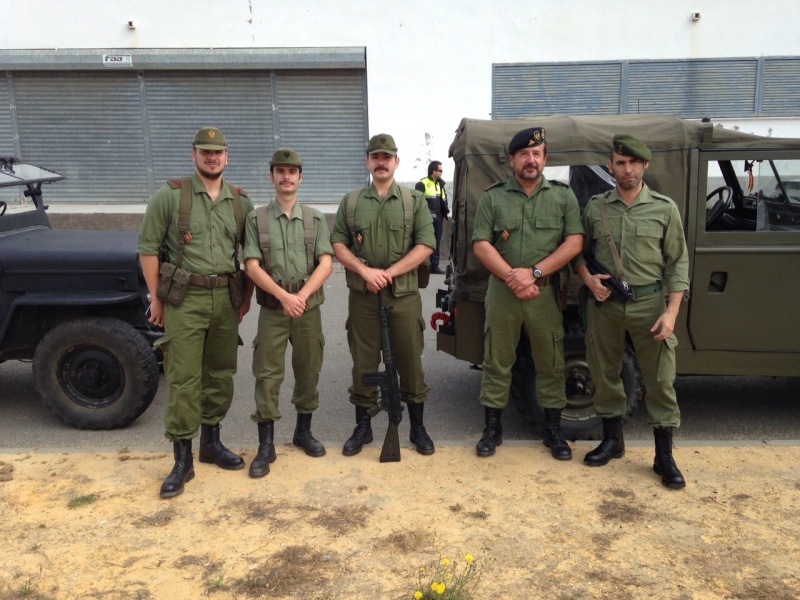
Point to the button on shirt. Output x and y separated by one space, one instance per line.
287 248
212 226
649 237
525 229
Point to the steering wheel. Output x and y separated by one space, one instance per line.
722 203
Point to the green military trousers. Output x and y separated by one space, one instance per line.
605 345
364 338
506 315
269 360
199 345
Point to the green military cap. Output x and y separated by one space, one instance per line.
627 145
210 138
533 136
285 156
382 142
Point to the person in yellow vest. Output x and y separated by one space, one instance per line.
436 196
288 255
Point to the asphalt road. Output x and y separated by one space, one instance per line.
714 408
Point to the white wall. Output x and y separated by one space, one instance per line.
428 63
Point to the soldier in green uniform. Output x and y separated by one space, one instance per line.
651 251
526 229
388 234
201 333
288 255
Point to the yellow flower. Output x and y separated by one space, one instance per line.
434 585
440 588
469 558
445 561
417 595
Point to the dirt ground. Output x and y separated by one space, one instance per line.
91 525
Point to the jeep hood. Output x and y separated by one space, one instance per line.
47 260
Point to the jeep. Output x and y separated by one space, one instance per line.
740 206
74 303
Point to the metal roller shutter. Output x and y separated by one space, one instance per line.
86 126
781 95
323 116
181 102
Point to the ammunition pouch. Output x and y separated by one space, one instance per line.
236 286
424 274
172 283
266 299
354 281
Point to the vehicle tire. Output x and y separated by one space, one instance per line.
579 419
96 373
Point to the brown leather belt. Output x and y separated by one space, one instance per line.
209 281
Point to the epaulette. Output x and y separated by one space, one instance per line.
175 184
241 192
556 182
494 185
660 196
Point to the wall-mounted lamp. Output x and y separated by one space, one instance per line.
696 16
132 24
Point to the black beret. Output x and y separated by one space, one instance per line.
533 136
627 145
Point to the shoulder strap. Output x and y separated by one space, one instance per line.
610 240
309 236
262 220
350 214
184 216
408 215
238 215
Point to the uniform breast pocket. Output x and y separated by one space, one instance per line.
505 228
396 235
198 231
362 233
548 232
648 242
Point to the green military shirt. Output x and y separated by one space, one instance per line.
287 249
648 235
212 226
525 229
380 225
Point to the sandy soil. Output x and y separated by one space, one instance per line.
81 525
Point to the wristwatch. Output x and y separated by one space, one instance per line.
536 272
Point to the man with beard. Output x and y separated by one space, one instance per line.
649 253
526 229
381 234
188 245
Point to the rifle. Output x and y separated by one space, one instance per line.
389 399
618 287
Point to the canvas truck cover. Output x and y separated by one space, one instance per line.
480 154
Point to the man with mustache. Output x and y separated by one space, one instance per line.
288 256
649 252
381 234
196 224
526 229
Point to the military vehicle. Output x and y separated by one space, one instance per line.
740 205
74 303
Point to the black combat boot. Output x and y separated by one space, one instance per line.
492 433
266 449
182 472
664 464
553 436
612 446
418 436
212 450
362 434
303 438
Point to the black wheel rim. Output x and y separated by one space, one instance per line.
91 377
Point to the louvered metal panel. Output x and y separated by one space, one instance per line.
238 102
323 116
526 90
7 146
693 88
781 87
86 126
